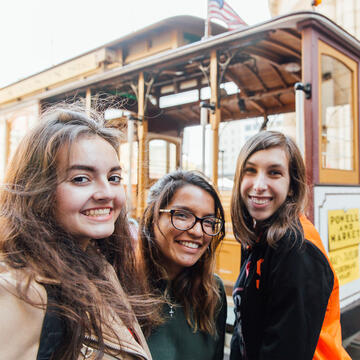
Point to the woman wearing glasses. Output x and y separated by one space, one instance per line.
181 228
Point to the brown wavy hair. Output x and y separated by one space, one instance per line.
195 288
286 217
32 240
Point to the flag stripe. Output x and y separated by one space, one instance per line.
232 13
227 17
225 14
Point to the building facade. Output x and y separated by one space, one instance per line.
345 13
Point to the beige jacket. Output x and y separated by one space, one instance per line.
21 324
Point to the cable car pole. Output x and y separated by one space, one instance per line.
301 92
130 138
215 116
142 159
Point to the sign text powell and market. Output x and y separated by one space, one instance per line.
344 237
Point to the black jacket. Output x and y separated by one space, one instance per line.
280 301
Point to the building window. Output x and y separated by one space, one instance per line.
162 158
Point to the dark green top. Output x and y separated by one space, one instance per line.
175 339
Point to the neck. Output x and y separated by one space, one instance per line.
84 243
172 273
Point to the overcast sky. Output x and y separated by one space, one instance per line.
37 34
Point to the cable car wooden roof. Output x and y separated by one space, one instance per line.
264 61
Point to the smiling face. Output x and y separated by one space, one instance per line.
179 248
265 182
90 195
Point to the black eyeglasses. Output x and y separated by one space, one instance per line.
185 220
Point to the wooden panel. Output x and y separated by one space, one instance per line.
64 72
225 197
228 260
150 46
228 253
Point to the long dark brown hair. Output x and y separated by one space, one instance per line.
195 288
287 216
32 240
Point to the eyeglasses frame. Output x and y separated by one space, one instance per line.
172 211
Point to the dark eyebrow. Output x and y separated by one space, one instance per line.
275 165
81 167
249 163
91 168
278 166
181 207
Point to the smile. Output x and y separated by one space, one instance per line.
189 244
97 212
259 200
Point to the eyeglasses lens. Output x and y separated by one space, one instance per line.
212 225
184 220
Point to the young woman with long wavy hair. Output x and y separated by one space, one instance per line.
65 247
182 226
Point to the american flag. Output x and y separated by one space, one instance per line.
219 9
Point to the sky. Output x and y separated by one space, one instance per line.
37 34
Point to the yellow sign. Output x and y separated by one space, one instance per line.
346 263
343 228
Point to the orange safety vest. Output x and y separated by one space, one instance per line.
329 345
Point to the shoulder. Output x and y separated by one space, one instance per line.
113 279
222 294
293 245
316 255
21 322
14 281
220 285
301 261
219 282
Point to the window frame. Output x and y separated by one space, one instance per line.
339 176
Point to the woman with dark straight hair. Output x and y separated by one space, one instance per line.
286 296
65 245
180 231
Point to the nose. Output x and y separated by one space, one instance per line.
196 230
103 191
260 183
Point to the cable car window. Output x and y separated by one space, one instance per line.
162 158
337 117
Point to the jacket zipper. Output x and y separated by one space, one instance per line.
110 346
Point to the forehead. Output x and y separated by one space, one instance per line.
193 197
275 156
89 150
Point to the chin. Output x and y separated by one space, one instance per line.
190 264
261 218
257 217
100 235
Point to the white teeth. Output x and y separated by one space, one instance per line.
190 244
97 212
259 201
